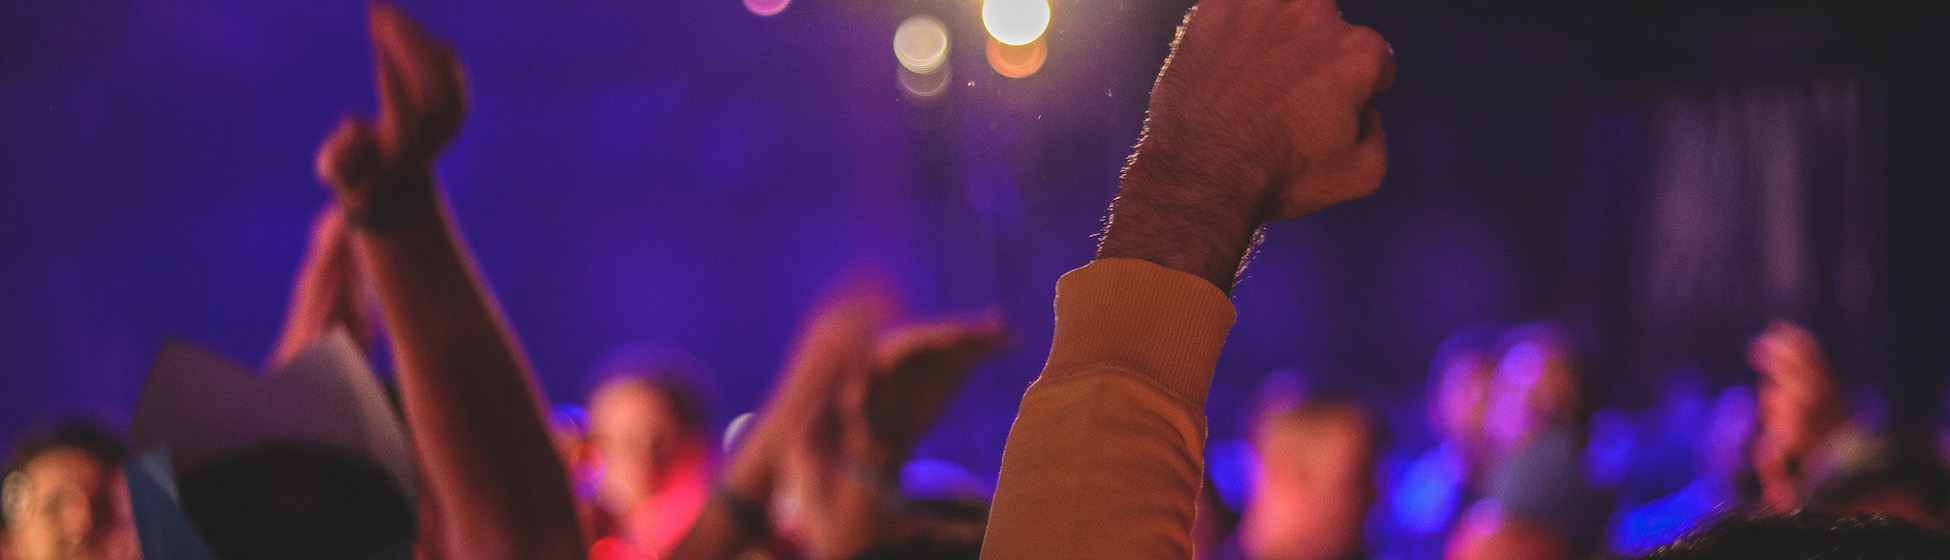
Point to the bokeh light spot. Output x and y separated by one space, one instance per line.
1017 61
1015 22
921 44
766 7
928 85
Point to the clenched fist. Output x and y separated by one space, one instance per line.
382 170
1263 112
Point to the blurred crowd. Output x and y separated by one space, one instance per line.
462 457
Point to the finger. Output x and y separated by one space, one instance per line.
1386 80
1314 11
395 103
328 229
348 156
423 72
1370 60
1369 164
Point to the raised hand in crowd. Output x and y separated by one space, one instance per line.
1263 112
1799 407
330 292
471 402
816 470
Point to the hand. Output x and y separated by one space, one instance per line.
849 409
1261 113
835 344
1800 402
330 291
385 168
920 368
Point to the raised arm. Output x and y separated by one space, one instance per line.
471 404
327 293
845 414
1261 113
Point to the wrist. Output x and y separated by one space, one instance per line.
1185 217
391 201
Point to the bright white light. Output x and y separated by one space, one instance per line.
1015 22
734 433
921 44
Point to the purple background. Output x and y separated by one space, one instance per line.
683 171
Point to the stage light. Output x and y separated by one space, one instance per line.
921 44
1015 22
734 433
1017 61
927 85
766 7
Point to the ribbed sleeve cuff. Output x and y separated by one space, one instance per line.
1167 324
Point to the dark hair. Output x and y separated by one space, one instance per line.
1475 339
296 500
1807 536
1904 466
87 436
667 370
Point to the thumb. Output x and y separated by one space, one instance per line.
349 155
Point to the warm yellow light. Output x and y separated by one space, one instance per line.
1017 61
921 44
1015 22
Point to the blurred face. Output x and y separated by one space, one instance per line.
1798 399
1534 387
635 436
69 506
1317 486
1461 393
1485 534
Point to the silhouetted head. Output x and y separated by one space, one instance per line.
1807 536
297 501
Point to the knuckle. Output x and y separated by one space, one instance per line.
1364 41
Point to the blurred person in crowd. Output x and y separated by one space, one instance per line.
651 446
1895 477
1261 113
1317 463
1428 493
332 475
1538 391
1714 491
1486 532
816 473
492 480
1803 418
64 498
1537 493
1460 382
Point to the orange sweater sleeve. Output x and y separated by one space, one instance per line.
1104 459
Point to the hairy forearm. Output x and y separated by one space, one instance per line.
1184 216
471 404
